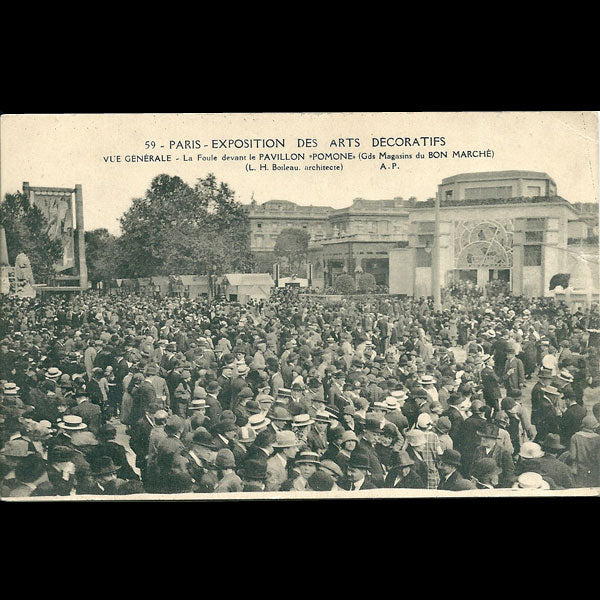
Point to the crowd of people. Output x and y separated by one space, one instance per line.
120 395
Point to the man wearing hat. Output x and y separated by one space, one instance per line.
402 475
368 437
358 473
551 466
490 448
229 481
286 447
450 477
254 475
544 378
468 439
513 375
548 415
160 386
570 422
90 413
485 474
214 406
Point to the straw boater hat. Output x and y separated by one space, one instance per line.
564 375
550 390
53 373
246 435
426 380
302 420
11 389
258 422
72 423
308 457
531 481
197 403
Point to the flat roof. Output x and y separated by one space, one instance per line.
491 175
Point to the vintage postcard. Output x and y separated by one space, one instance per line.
299 305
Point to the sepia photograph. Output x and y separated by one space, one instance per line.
308 305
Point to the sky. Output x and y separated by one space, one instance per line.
65 150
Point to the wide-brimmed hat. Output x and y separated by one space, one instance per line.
531 450
307 456
302 420
15 448
373 423
427 380
225 459
323 416
197 403
564 375
203 438
550 390
332 467
213 387
443 425
246 435
489 430
424 420
415 437
359 460
402 459
72 423
552 442
531 481
285 439
10 389
59 454
589 422
280 413
451 457
254 470
53 373
484 467
258 421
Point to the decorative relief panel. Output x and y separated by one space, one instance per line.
483 244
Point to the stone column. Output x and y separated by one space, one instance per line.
83 274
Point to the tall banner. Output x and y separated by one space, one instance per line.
58 211
276 274
309 274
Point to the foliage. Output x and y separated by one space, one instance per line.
561 279
184 230
292 245
102 255
365 282
344 284
26 227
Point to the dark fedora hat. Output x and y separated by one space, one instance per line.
254 469
402 459
489 430
552 442
451 457
359 460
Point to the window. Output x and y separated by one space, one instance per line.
259 225
534 236
535 224
534 190
425 240
449 195
532 256
423 258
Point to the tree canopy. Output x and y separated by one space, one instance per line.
292 245
102 254
26 231
179 229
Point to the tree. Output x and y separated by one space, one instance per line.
102 255
292 245
365 282
184 230
561 279
26 231
344 284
